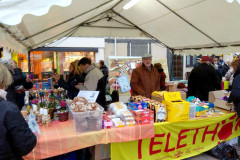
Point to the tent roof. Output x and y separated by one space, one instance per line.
186 26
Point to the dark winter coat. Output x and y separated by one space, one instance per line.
104 70
162 79
17 79
16 139
70 85
235 93
202 80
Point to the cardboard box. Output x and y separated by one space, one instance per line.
177 109
101 151
157 98
213 98
183 95
161 98
172 87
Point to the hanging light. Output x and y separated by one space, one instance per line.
130 4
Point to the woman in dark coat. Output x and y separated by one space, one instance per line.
235 93
16 139
74 78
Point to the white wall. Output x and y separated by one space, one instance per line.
158 51
99 55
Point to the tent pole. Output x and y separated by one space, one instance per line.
188 22
139 28
115 46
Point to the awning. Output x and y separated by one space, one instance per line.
185 26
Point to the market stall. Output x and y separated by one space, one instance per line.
170 128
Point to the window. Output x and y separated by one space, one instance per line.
139 49
177 71
190 60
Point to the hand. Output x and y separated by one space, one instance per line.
28 80
228 104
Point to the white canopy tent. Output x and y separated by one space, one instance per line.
184 26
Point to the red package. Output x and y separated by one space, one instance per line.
143 113
144 120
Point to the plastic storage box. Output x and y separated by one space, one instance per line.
87 121
192 110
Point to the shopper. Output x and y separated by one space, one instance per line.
75 77
17 79
145 79
235 93
222 66
21 85
197 63
215 65
16 139
158 66
203 79
103 68
94 80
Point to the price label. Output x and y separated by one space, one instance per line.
172 96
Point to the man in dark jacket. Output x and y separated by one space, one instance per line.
203 79
103 68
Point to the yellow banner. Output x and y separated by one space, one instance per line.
179 140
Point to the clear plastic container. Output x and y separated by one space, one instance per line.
192 110
87 121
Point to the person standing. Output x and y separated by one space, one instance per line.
103 68
158 66
222 66
197 63
203 79
94 80
216 67
145 79
235 93
16 139
74 78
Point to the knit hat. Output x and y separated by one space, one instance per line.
205 58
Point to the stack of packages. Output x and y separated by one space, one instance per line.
147 111
202 108
120 115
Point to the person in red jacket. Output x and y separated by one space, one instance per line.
162 76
